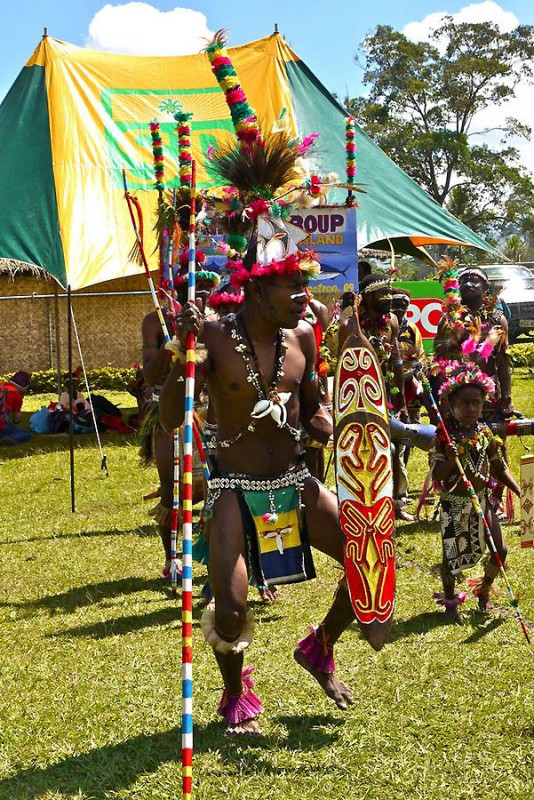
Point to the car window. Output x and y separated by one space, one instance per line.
519 276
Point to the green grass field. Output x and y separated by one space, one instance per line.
90 659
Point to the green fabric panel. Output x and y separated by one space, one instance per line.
394 205
29 225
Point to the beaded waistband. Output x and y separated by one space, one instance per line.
235 480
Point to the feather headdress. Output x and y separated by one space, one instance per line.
465 373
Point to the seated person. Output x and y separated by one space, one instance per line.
11 398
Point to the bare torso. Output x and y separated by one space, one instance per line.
268 450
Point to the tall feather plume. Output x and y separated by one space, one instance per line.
259 171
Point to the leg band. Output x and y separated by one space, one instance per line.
316 650
161 514
450 602
207 623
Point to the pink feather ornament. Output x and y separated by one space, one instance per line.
486 350
469 346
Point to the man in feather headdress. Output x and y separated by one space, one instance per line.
481 332
266 508
477 330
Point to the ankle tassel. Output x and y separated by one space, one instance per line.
316 650
450 602
241 707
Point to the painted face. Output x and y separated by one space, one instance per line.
284 298
399 306
471 286
380 301
466 404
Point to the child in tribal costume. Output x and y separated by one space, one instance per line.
480 453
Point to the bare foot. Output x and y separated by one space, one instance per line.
269 594
452 615
484 602
249 727
331 686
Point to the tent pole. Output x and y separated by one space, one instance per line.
58 341
71 398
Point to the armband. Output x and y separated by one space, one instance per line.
177 351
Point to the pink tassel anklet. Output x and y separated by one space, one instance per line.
316 650
446 602
241 707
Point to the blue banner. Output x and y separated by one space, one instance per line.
332 236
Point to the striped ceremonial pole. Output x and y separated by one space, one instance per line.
187 537
514 603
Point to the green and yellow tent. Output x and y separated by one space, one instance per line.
75 118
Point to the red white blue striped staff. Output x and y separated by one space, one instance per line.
187 511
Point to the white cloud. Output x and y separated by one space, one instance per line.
520 106
140 29
487 11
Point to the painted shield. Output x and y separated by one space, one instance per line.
365 482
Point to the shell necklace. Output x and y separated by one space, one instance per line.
270 400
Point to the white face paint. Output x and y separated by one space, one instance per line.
298 296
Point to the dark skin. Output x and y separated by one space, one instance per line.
155 369
466 407
373 305
472 291
315 455
270 304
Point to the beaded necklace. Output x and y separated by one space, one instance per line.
476 445
270 400
377 331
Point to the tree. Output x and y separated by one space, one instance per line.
424 102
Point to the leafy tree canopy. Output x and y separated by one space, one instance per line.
422 110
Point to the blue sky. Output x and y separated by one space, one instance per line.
325 35
326 38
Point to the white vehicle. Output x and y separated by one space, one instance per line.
517 292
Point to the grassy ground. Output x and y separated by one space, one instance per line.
90 660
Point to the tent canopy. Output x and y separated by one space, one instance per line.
75 118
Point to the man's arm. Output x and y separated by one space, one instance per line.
155 357
398 398
321 312
504 373
172 397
